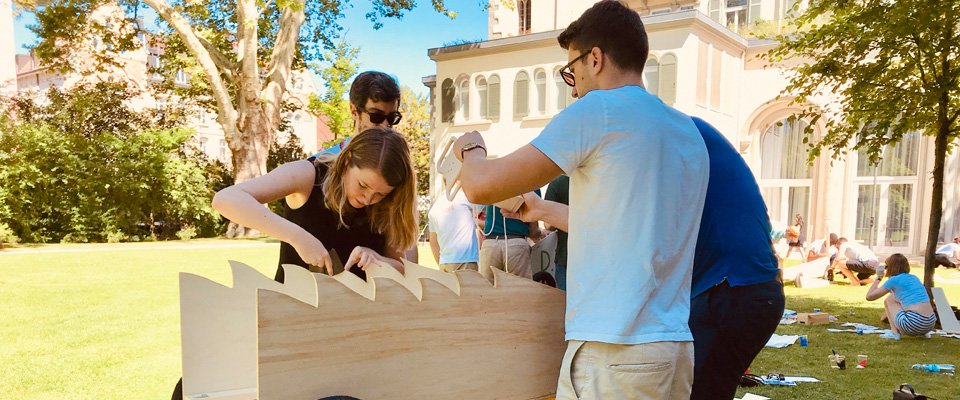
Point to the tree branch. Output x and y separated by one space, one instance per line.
284 51
227 115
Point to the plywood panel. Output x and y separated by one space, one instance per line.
218 329
416 338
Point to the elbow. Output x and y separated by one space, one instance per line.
220 200
476 195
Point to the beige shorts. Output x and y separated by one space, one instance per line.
596 370
518 256
451 267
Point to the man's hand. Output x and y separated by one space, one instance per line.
530 209
468 138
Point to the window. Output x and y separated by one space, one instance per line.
181 77
482 96
735 14
521 95
223 151
886 197
493 98
668 79
153 65
651 76
523 7
202 145
446 100
540 81
564 91
785 176
463 100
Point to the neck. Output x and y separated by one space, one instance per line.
617 79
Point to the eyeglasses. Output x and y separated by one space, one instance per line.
377 117
567 74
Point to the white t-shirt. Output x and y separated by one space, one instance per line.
456 230
949 249
857 252
638 178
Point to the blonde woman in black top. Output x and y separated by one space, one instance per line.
359 202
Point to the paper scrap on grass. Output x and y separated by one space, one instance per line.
789 317
859 329
751 396
802 379
946 334
781 341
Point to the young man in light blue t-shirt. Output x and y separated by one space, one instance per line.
638 177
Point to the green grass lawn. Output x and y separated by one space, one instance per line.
102 322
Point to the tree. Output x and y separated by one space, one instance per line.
84 166
893 68
415 126
242 53
335 103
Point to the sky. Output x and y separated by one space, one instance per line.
398 48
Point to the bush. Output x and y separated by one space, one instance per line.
84 167
7 236
187 233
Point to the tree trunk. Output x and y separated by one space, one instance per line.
936 200
249 153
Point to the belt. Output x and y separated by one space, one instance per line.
501 237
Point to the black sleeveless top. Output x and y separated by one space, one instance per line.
324 224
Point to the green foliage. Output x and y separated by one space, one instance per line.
334 104
893 68
85 167
282 153
7 236
415 126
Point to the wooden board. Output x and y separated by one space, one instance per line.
218 328
948 321
412 336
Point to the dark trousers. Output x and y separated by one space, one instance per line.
730 326
943 260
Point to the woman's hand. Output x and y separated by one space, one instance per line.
362 257
313 252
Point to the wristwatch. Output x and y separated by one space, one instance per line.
470 146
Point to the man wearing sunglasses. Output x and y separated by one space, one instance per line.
638 178
374 102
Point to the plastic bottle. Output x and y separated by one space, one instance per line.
948 369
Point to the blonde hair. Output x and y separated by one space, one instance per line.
384 151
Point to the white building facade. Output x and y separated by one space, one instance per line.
508 87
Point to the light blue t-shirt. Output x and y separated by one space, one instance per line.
907 289
638 178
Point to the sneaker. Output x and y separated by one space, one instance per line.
830 275
890 335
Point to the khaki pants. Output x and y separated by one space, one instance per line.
451 267
596 370
518 256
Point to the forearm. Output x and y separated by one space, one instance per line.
875 291
435 247
555 214
240 207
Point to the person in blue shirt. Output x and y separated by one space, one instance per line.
638 178
908 310
737 298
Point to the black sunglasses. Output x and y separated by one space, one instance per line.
567 74
378 117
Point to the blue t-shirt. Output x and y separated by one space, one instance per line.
734 241
907 289
493 222
638 177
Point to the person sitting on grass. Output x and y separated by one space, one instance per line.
908 310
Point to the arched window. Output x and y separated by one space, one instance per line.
521 95
482 96
493 98
784 173
523 7
564 91
651 76
540 81
667 89
463 100
447 92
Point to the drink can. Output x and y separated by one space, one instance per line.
803 341
816 310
